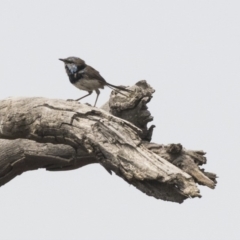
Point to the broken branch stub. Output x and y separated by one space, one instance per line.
136 111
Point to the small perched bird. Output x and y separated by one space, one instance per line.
86 77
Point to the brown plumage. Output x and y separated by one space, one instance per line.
86 78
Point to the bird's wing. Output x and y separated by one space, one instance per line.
91 73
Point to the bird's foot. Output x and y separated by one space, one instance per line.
89 104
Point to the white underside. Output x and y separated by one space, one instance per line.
88 85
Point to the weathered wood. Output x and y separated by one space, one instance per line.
20 155
136 112
62 135
187 160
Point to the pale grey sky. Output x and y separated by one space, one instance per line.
189 52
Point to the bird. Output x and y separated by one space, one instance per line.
86 78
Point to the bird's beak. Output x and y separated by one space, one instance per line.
61 59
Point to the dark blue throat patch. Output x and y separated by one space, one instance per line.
72 68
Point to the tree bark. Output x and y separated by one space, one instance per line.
62 135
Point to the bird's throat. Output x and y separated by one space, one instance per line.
71 68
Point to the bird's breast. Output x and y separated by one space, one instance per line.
88 84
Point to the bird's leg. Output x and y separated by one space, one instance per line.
98 92
89 93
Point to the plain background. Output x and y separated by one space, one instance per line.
189 51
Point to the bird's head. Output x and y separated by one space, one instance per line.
73 60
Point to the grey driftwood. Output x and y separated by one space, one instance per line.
62 135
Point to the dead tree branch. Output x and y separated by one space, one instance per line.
60 135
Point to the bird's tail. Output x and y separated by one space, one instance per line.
118 87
